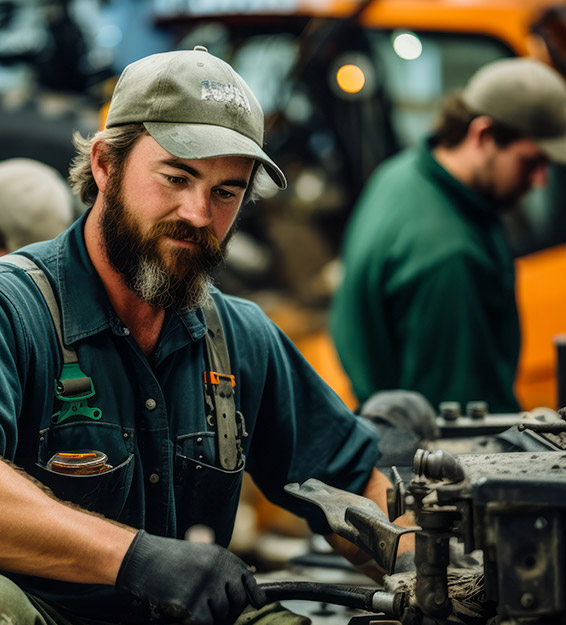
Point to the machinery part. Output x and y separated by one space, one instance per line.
477 409
450 410
396 496
466 589
432 542
524 547
543 428
391 604
511 506
438 465
356 518
560 345
432 556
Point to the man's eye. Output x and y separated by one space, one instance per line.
176 179
225 195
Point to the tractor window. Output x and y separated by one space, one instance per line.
422 67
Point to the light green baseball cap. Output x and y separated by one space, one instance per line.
526 95
194 105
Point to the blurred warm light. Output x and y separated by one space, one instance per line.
350 78
408 46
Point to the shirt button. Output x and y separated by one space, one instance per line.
126 331
154 478
150 403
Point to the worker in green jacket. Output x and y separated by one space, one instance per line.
427 300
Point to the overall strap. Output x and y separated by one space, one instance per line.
73 386
219 386
43 284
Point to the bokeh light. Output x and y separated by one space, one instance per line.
350 78
408 46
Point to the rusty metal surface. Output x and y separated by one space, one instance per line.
524 465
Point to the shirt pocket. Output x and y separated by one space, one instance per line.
105 493
205 494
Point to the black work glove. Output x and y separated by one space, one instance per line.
403 419
190 582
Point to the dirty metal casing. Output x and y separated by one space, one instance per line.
524 521
512 506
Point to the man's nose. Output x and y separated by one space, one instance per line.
196 209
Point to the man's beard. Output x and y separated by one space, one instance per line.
483 182
182 280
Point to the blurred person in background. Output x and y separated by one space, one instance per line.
427 299
36 203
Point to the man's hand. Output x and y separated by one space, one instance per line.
195 582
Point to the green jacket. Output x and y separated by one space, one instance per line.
427 301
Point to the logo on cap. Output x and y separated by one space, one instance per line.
227 94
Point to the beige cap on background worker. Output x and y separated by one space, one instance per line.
35 202
526 95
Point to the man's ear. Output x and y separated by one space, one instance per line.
480 131
99 165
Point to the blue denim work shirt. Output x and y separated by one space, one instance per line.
165 474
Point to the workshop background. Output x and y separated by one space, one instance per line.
344 84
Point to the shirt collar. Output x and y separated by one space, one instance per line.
476 206
85 306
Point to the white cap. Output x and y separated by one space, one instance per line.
35 202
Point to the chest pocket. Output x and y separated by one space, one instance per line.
105 493
205 494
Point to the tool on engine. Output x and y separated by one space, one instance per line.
356 518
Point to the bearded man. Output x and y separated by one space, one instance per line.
161 390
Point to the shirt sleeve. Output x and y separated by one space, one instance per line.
304 430
13 356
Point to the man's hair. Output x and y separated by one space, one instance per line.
117 146
118 143
454 121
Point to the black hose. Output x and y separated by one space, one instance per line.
351 597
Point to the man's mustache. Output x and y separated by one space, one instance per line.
181 230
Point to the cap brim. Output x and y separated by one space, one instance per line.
554 148
197 141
